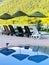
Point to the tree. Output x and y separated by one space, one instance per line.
38 24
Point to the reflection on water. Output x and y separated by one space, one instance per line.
10 60
1 0
45 35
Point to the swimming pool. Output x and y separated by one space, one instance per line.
10 60
45 35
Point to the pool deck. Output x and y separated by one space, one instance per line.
22 41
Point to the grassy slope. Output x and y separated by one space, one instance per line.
28 6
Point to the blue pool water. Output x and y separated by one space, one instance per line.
45 35
1 0
10 60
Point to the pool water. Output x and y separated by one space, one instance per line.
1 0
11 60
45 35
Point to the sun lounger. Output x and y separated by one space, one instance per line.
6 30
27 31
12 31
35 33
20 31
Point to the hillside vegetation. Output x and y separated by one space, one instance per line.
27 6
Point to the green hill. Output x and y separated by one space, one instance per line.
27 6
